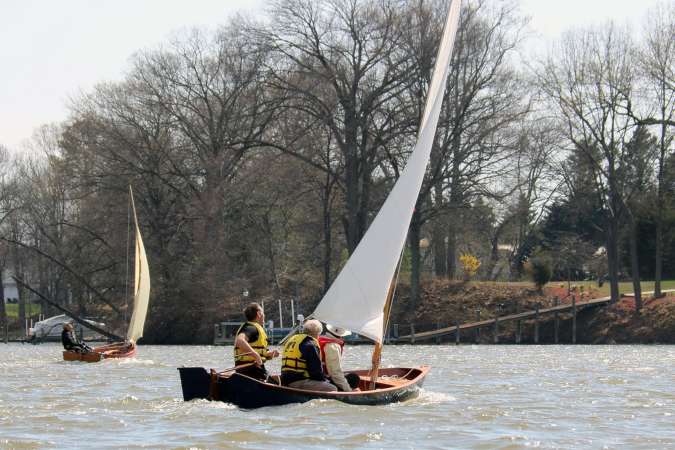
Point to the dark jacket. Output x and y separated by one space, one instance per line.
310 353
69 340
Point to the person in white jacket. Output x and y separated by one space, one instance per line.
332 347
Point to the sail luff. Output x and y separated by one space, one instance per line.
357 297
141 283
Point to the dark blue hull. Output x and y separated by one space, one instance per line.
396 385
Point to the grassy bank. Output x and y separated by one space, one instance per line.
13 310
624 286
444 303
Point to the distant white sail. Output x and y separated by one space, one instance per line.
357 297
141 285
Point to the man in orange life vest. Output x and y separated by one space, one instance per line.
250 344
332 346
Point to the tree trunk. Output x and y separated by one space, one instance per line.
456 199
42 286
451 252
658 263
634 263
490 273
660 205
3 311
22 307
208 240
352 182
613 259
414 236
438 233
439 250
327 237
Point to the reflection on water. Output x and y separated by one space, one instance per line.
475 397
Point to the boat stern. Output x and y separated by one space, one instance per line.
195 382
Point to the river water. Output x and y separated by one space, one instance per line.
482 397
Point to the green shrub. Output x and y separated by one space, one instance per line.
539 270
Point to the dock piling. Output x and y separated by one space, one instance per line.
574 319
556 322
496 337
536 324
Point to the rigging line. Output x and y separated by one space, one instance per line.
67 312
126 267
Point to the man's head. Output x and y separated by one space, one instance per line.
312 327
68 326
254 313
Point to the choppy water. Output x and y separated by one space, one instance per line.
481 397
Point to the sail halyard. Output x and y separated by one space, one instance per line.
141 283
358 297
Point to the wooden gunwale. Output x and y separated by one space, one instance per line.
109 351
423 370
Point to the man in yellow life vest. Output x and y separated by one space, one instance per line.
250 344
301 360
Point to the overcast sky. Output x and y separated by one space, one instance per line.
52 49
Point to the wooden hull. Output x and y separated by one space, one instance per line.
114 350
396 385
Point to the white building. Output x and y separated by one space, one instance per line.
10 289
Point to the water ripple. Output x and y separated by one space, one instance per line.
481 397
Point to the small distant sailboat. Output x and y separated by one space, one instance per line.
360 297
127 348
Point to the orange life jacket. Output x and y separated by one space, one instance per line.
323 340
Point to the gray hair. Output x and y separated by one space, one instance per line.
312 327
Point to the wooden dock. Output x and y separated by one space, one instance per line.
494 322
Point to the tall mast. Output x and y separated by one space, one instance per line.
141 282
133 291
377 353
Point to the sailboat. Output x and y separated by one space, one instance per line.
360 297
126 348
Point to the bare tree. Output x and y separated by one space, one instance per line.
535 180
6 191
637 174
209 89
657 61
338 64
590 80
474 143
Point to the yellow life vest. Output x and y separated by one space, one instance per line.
259 345
292 359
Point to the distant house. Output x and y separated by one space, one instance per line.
10 289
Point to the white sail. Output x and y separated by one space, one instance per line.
357 297
141 285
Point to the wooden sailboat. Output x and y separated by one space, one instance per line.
126 348
360 297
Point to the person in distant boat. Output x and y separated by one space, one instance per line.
332 347
250 344
301 360
71 342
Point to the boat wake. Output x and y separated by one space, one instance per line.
433 398
199 404
139 362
